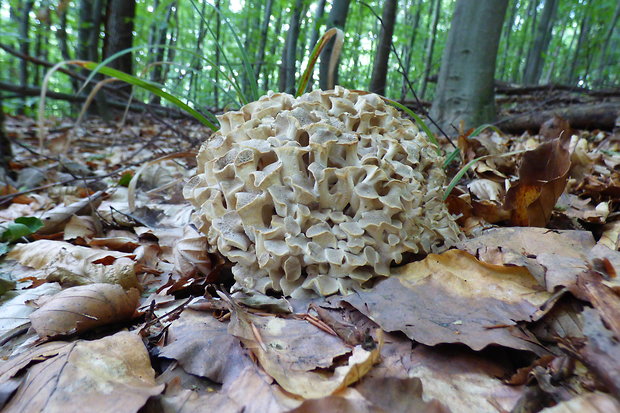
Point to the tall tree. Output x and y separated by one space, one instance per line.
603 57
24 45
430 47
289 55
5 146
275 43
409 50
318 21
584 29
380 66
535 57
337 18
263 38
119 33
466 77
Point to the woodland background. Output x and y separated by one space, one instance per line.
191 48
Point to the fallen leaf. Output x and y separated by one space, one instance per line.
80 227
14 309
454 298
590 402
107 375
289 350
542 178
203 346
72 264
394 394
55 219
83 308
190 254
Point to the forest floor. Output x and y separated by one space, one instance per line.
113 303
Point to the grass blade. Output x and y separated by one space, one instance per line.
132 80
314 56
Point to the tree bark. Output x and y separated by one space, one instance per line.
430 46
6 154
535 57
584 28
380 66
600 116
465 82
318 17
24 47
260 55
507 32
119 33
414 32
272 51
287 68
337 18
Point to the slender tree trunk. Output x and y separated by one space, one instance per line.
610 31
6 154
409 54
119 33
507 32
584 28
380 66
160 30
218 29
263 39
546 78
196 63
535 57
24 47
61 35
466 78
530 23
272 51
289 58
43 34
318 17
430 46
337 18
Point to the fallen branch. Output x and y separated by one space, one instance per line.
583 116
136 106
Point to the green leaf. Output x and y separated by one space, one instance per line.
5 284
125 179
4 248
132 80
21 227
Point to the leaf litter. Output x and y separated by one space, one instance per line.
116 302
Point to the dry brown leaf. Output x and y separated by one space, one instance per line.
80 227
542 179
83 308
454 298
203 347
72 264
54 220
190 254
288 350
349 401
394 394
590 402
112 374
14 309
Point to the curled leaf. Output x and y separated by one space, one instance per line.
83 308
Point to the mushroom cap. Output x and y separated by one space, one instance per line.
319 194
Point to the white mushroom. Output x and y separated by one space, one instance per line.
320 193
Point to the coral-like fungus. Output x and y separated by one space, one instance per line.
318 193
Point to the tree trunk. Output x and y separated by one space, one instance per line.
602 60
196 63
414 32
24 47
535 57
380 66
507 33
119 33
430 46
218 28
159 31
272 51
61 34
337 18
466 78
260 55
584 28
290 50
318 17
6 154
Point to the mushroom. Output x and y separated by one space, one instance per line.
319 194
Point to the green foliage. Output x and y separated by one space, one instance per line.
21 227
